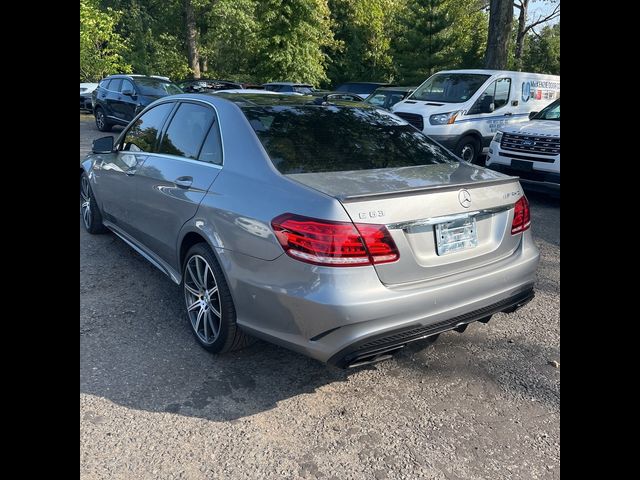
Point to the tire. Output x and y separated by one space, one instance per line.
212 317
468 149
101 121
91 216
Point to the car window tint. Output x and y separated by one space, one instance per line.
503 86
304 139
187 130
141 137
115 84
126 85
105 83
212 149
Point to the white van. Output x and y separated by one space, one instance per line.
463 109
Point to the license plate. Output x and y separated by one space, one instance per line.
522 165
456 235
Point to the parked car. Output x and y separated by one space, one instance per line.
85 95
246 91
205 85
330 96
530 150
277 224
119 98
387 97
463 109
289 87
362 89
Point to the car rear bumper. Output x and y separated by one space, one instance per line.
337 315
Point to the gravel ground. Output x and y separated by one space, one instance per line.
153 405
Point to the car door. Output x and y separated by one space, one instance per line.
111 100
127 103
172 182
492 109
115 172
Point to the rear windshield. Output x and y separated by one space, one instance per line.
305 139
153 86
449 87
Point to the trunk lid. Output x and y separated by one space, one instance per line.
411 201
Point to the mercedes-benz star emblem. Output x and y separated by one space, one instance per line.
464 197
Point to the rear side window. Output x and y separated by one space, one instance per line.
304 139
187 130
142 135
105 83
212 148
115 84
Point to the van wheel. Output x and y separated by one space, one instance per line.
101 121
468 149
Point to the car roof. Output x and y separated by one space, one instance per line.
395 89
295 84
136 76
366 83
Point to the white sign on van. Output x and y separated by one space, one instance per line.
540 90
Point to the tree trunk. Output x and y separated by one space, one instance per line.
522 33
192 45
500 21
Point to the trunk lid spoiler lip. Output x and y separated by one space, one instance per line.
419 190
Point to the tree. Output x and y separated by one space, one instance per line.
292 38
424 42
500 23
363 31
192 38
542 51
523 28
101 48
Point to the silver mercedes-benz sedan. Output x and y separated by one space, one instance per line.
334 229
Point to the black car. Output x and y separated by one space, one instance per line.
204 85
289 87
119 98
387 97
362 89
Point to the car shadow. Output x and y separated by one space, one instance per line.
137 350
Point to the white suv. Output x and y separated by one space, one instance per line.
530 150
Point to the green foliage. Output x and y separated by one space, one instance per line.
317 41
101 48
362 30
437 35
292 38
542 52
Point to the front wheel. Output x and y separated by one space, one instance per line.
91 216
468 149
210 308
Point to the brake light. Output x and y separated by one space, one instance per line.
521 216
337 244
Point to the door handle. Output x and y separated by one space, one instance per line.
183 182
508 114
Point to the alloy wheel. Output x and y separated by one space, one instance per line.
467 153
100 120
85 199
202 299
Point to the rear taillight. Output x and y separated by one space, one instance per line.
521 216
337 244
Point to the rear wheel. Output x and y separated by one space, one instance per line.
210 308
91 216
101 121
468 149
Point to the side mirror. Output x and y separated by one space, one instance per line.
129 93
532 114
491 107
102 145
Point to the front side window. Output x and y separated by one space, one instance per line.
142 135
377 99
126 85
496 94
550 112
187 130
449 87
305 139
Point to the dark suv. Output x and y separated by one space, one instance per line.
119 98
